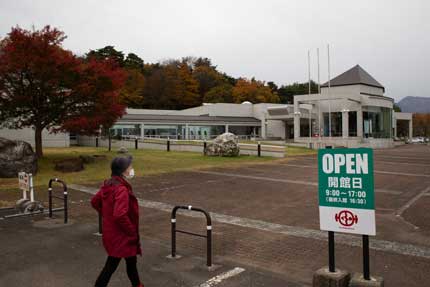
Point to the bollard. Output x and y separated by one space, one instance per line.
97 141
173 237
209 244
66 207
168 144
50 201
204 147
259 149
110 142
136 143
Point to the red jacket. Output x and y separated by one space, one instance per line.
120 211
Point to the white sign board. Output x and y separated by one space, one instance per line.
24 181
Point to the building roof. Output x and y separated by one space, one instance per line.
188 119
354 76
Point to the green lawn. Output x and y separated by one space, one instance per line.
145 162
295 150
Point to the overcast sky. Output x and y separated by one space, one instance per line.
267 39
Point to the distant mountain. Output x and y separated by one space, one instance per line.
415 105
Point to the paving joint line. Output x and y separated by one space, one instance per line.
181 186
414 199
375 171
311 183
258 177
221 277
300 232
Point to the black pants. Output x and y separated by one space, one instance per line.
110 267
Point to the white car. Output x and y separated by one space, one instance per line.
417 140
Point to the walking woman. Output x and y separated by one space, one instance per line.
118 206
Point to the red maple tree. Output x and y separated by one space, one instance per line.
44 86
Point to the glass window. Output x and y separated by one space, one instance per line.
161 131
304 127
335 124
242 131
402 128
204 132
377 122
352 124
123 130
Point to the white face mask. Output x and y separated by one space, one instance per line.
130 174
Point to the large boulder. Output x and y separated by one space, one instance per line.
122 149
225 144
16 156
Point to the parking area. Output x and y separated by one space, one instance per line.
286 192
265 225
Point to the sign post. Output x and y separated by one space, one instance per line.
346 196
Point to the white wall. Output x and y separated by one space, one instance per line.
402 116
27 135
231 110
197 111
366 100
275 129
220 110
376 101
371 90
341 90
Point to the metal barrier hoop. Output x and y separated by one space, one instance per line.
208 235
64 198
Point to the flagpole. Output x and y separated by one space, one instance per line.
309 91
329 94
319 94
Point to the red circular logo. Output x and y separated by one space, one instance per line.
346 218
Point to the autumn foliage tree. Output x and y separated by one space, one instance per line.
421 125
187 91
170 85
167 85
253 91
184 83
219 94
206 76
44 86
131 94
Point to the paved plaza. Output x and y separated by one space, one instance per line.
266 228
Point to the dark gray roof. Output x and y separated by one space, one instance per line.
188 119
355 75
